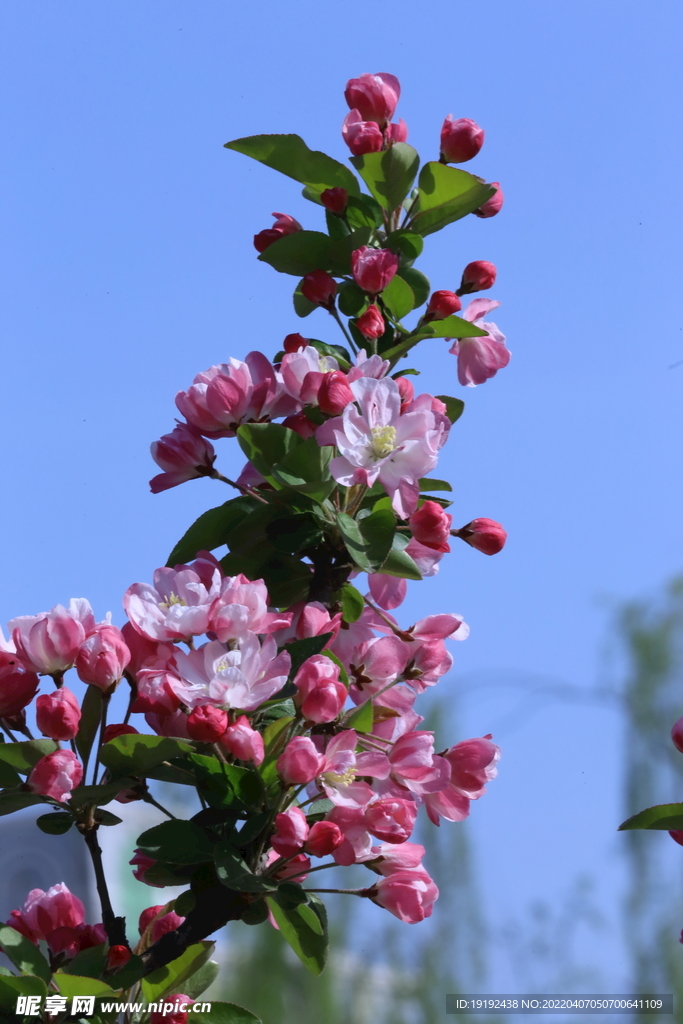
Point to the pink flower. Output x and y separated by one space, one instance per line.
415 766
300 762
442 304
375 663
677 734
241 607
183 455
18 685
243 742
397 132
243 677
337 775
291 832
373 269
284 225
391 820
472 764
303 371
102 657
309 618
368 366
493 205
378 443
477 276
374 96
387 591
371 324
55 775
296 869
334 393
335 200
461 139
142 863
180 602
180 1004
431 526
361 136
319 287
293 342
485 535
58 714
426 559
408 895
356 845
50 641
169 724
392 858
207 724
119 729
479 359
324 838
44 912
155 679
321 695
160 925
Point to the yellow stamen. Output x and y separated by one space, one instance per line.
173 599
383 439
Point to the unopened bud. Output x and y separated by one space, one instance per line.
293 342
335 200
461 139
477 276
485 535
442 304
334 393
207 724
491 207
319 287
676 734
371 323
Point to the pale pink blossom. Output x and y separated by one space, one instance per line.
387 591
426 559
49 642
242 678
376 442
408 895
183 455
376 663
479 359
179 603
241 606
309 618
303 370
356 845
56 775
415 766
44 912
368 366
392 857
337 776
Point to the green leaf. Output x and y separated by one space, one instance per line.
302 306
389 175
454 410
99 794
91 714
364 211
429 484
25 755
405 243
178 842
171 977
398 297
134 755
446 194
419 284
352 299
339 257
12 800
23 954
211 530
225 1013
266 444
368 540
54 824
451 327
398 563
8 776
343 674
200 981
305 468
74 985
226 781
361 719
298 253
89 962
300 650
309 944
352 603
234 873
290 155
287 578
664 817
292 534
11 987
272 733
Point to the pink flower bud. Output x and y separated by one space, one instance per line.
291 832
361 136
677 735
431 526
335 200
160 925
397 132
118 729
46 912
319 287
243 742
141 864
90 935
183 455
373 96
49 642
55 775
477 277
117 957
461 139
442 304
293 342
324 838
406 390
485 535
102 657
18 685
491 207
207 724
334 393
63 940
299 423
371 323
300 762
391 820
284 225
373 269
408 895
296 868
397 857
171 1011
677 836
321 695
58 714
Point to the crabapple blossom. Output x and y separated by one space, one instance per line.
461 139
207 723
240 607
335 200
183 455
291 832
373 269
118 729
18 684
368 366
485 535
319 287
374 96
472 764
493 205
49 642
477 276
102 657
391 857
293 342
58 714
409 895
243 742
431 526
303 370
179 603
371 323
284 225
243 677
334 393
141 865
300 762
442 304
321 695
397 131
159 925
44 912
361 136
56 775
387 591
480 358
391 820
324 838
177 1015
677 734
406 391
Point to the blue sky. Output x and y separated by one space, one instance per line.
128 267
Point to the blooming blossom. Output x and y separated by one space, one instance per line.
179 603
479 359
240 678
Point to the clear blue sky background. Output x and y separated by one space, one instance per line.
127 267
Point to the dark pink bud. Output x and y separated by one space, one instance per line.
301 424
319 287
408 895
324 838
406 390
477 277
492 205
321 694
677 836
102 657
334 393
117 957
293 342
335 200
485 535
442 304
461 139
18 685
284 225
295 869
207 724
677 735
361 136
397 132
373 96
183 455
56 775
171 1010
118 729
291 832
431 526
371 323
391 820
373 269
141 865
90 935
243 742
58 714
160 925
300 762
